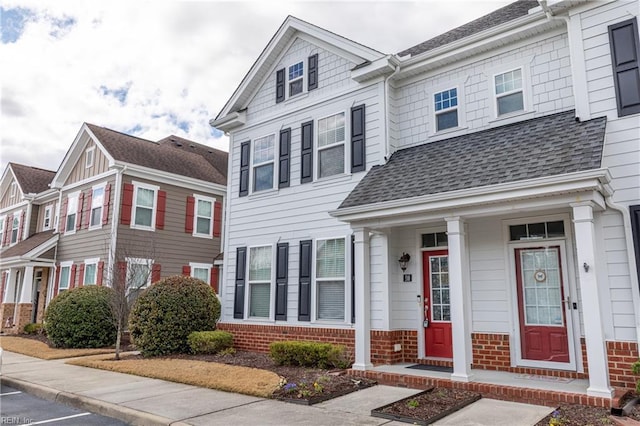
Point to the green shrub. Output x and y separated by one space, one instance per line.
210 342
33 328
167 312
635 368
309 354
81 318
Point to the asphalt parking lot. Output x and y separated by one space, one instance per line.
19 408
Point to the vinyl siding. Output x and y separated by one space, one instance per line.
80 172
7 200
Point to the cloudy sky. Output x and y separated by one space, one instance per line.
152 69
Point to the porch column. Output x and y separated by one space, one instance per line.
10 287
26 296
362 295
587 273
460 300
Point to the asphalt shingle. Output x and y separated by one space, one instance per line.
24 247
546 146
32 180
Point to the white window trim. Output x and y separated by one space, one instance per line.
195 215
73 196
47 209
207 266
271 286
138 261
13 190
89 159
316 148
276 154
314 290
462 122
525 89
65 265
3 219
87 262
99 225
16 215
303 78
154 208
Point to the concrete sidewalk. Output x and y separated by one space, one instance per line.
143 401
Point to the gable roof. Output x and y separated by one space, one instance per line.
541 147
36 245
497 17
154 155
32 180
215 157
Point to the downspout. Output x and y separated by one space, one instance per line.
115 219
387 120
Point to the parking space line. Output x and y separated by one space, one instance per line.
42 422
10 393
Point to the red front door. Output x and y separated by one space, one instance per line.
437 307
543 325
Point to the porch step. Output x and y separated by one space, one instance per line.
549 398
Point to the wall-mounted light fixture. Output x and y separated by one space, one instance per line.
585 265
404 259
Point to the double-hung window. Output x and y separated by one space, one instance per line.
508 91
48 213
91 271
446 109
263 160
295 77
260 260
138 276
97 200
72 213
203 217
331 145
144 203
201 271
65 276
15 227
330 279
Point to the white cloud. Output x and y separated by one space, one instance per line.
178 62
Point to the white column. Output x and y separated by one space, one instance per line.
460 301
587 273
26 296
10 287
363 300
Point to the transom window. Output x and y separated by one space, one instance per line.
296 77
144 203
65 277
46 223
72 213
203 217
263 155
89 157
446 107
330 279
509 94
97 200
260 281
90 272
435 239
331 141
15 227
536 231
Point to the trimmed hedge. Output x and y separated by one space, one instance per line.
166 313
81 318
309 354
210 342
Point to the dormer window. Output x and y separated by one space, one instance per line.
508 91
446 108
89 157
295 78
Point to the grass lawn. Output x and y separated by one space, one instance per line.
38 349
230 378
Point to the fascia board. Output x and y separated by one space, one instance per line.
42 248
230 121
597 180
17 206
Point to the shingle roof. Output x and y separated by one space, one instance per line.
541 147
32 180
159 156
500 16
24 247
215 157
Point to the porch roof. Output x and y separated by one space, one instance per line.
32 247
541 147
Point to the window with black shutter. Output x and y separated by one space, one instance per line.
304 294
241 264
306 174
244 168
282 274
635 232
625 54
280 85
312 72
358 160
285 148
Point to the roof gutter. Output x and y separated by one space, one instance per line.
387 143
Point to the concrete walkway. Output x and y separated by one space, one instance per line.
143 401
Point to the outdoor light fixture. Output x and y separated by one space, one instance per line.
404 259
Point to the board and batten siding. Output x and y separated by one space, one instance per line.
80 172
170 247
7 199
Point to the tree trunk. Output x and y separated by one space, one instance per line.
118 339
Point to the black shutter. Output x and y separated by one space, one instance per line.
244 168
353 279
358 161
241 265
312 72
285 148
625 53
304 295
282 274
306 173
635 232
280 85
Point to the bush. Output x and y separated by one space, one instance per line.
167 312
309 354
81 318
210 342
33 328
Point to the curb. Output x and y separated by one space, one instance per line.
125 414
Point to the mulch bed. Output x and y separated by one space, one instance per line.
577 415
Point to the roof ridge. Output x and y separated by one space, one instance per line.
121 133
31 167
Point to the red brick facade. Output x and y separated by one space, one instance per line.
621 356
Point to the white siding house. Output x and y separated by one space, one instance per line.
500 162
